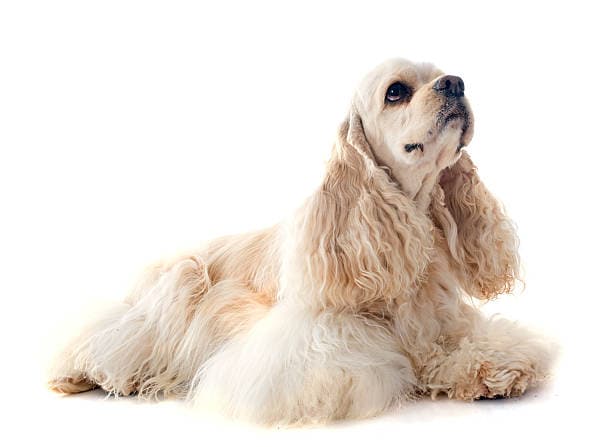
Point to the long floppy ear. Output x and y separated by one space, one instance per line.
482 239
358 238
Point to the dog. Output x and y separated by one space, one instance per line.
361 300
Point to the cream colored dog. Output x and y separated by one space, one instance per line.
356 303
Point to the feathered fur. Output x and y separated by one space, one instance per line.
355 304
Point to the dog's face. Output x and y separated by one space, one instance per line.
416 120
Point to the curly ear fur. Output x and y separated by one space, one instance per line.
481 238
359 238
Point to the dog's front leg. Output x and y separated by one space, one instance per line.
498 359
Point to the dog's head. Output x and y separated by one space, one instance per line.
406 128
416 120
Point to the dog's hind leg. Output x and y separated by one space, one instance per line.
155 342
137 340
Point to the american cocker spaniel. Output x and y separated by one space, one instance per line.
359 301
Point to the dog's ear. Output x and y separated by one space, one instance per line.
482 239
358 238
352 154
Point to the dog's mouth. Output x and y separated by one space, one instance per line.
451 111
455 110
413 147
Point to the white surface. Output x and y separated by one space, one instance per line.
130 130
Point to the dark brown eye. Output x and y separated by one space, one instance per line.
396 92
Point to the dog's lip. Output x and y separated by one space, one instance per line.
413 146
454 111
454 116
452 104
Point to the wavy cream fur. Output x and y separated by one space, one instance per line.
353 305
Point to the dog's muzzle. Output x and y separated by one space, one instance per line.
452 89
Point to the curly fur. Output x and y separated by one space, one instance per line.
353 305
482 239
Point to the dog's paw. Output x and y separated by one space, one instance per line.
70 385
489 381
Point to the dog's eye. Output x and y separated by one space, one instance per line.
396 92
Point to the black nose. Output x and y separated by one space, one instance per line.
450 86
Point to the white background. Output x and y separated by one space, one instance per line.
131 130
